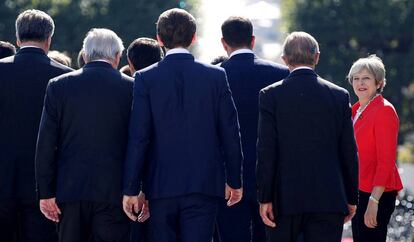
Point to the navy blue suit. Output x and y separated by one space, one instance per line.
23 81
247 75
81 149
184 142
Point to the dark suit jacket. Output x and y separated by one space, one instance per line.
23 81
247 75
183 116
307 157
83 135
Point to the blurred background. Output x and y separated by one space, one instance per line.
346 31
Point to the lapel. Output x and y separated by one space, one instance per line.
374 104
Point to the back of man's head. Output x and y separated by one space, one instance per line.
6 49
144 52
60 57
102 44
34 25
176 28
300 48
237 32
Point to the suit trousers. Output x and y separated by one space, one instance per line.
93 222
312 227
22 221
139 231
386 206
240 222
188 218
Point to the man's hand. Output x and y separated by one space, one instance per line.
145 214
233 195
266 212
50 209
351 213
133 205
370 216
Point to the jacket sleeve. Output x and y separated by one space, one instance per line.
139 137
267 149
348 154
386 139
229 133
45 159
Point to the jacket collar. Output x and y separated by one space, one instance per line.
34 50
300 72
375 102
243 56
98 64
178 56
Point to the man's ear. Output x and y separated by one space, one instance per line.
117 60
160 41
285 59
316 58
225 45
252 42
194 39
131 66
48 42
84 57
18 43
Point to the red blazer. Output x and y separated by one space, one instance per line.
376 132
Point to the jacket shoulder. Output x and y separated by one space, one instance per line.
333 87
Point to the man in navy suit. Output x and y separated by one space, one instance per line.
307 169
23 82
184 139
82 142
247 75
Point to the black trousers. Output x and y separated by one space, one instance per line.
314 227
360 232
93 222
22 221
139 231
188 218
240 222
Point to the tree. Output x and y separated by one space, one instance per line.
348 30
130 19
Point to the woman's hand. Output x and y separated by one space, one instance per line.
370 217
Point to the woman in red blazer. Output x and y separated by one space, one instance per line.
376 130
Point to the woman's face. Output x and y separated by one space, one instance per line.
364 85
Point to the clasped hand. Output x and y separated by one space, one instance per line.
136 207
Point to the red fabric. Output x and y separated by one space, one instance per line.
376 133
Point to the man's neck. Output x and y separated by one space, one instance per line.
295 67
235 51
36 44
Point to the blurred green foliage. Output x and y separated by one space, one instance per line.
350 29
130 19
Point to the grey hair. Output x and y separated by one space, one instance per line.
34 25
102 44
372 64
300 48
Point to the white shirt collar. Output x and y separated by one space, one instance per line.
301 67
30 46
177 51
101 60
241 51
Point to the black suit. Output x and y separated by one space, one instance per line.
247 75
23 80
81 149
307 161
